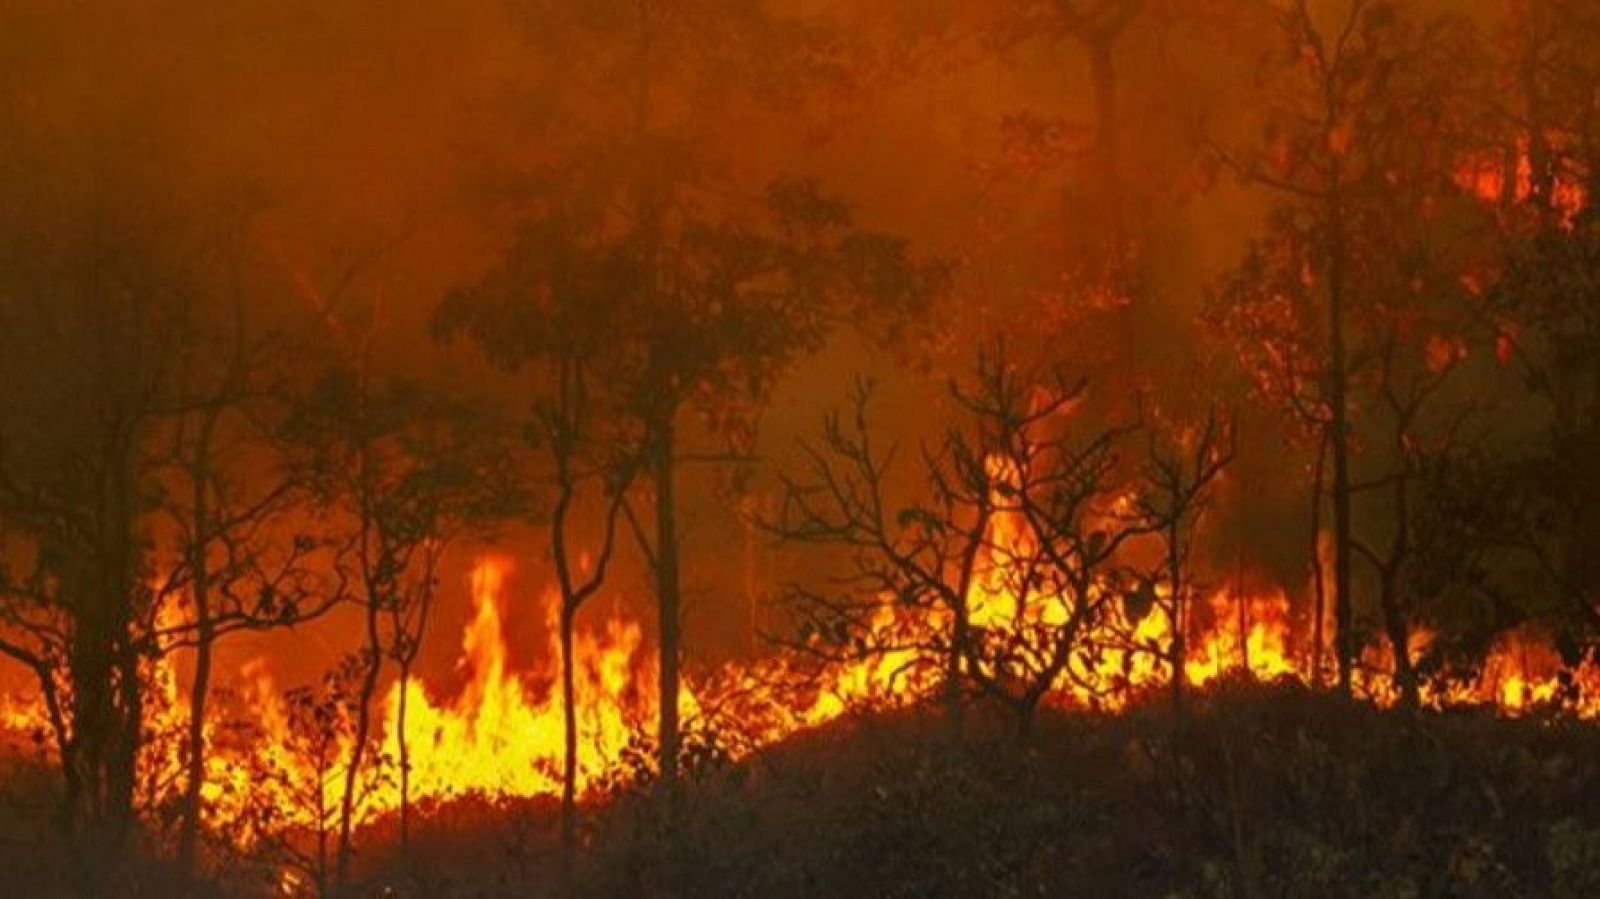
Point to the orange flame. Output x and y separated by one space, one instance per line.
501 734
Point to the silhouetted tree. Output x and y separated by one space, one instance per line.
701 311
293 818
405 471
1010 568
229 515
1174 488
549 312
122 338
1361 98
1545 307
1056 564
911 567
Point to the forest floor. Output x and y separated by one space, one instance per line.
1260 791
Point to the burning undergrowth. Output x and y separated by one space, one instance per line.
1261 789
488 759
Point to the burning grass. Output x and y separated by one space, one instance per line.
1261 790
1206 806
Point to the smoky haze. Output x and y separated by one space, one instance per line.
365 156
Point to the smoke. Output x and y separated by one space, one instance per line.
372 136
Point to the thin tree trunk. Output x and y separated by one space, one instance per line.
570 601
65 752
205 635
370 581
403 745
569 764
106 696
1405 674
124 760
322 834
199 690
369 686
409 646
955 675
1344 606
667 597
1179 650
1243 605
1405 677
89 670
1319 589
128 731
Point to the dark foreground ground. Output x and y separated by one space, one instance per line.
1265 791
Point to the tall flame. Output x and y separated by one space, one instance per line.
503 734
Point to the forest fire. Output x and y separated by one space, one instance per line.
696 448
500 735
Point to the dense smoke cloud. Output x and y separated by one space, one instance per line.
360 153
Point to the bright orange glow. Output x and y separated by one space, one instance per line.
1486 178
501 735
504 735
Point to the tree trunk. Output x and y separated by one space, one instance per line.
322 836
71 791
1394 617
1179 649
1405 676
955 675
961 629
89 670
403 745
106 697
123 777
1344 608
1318 586
667 598
369 686
1242 603
570 600
205 635
569 765
194 774
122 774
372 581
